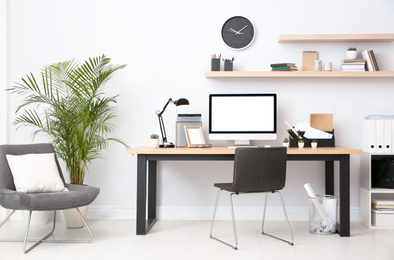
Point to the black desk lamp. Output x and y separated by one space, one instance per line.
179 102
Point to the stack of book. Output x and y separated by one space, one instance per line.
380 205
284 67
369 56
353 65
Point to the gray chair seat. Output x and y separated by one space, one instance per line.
77 196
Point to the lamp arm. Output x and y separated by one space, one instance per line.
162 128
164 108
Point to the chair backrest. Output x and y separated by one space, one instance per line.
6 179
259 169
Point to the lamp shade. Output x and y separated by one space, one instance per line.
181 101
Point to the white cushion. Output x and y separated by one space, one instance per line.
35 172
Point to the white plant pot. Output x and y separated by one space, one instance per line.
154 143
37 217
314 145
351 55
73 219
286 144
301 145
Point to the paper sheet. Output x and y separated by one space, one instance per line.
312 133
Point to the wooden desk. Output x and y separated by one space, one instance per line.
146 175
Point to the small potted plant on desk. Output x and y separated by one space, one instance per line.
314 143
286 142
301 143
154 140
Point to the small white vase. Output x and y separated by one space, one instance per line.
301 145
154 143
72 217
286 144
351 55
314 144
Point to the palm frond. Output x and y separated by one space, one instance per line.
70 106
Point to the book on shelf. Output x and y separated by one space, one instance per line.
282 64
354 62
383 202
382 206
372 65
353 67
374 60
285 68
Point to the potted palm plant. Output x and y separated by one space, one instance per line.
69 106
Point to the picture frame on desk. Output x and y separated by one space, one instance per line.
194 136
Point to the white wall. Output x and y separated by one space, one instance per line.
4 129
167 46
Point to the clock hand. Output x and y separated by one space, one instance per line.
232 30
239 32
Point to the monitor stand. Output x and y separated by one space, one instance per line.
241 143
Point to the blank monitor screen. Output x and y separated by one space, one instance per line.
242 116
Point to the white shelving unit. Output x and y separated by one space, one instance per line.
367 192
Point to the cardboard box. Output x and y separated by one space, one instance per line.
382 218
308 60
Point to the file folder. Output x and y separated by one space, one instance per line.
379 125
369 135
387 135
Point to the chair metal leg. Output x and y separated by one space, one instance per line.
291 242
7 218
233 222
44 239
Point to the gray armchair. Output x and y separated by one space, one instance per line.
76 196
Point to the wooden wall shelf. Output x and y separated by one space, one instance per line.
316 38
299 74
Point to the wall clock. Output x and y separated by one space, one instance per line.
238 32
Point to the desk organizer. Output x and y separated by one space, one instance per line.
307 142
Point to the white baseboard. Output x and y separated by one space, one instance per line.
205 213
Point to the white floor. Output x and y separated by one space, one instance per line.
116 239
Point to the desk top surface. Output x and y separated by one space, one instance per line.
226 150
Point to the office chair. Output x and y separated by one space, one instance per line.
256 170
10 198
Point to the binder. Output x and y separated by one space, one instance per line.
379 125
387 146
369 135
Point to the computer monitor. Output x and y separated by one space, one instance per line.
242 117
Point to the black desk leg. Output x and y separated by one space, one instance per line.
144 178
344 193
141 194
330 177
152 191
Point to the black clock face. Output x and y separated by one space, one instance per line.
238 32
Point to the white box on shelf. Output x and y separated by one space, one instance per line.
382 218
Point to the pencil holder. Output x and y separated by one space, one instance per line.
228 66
215 64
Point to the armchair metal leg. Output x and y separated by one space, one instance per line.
233 222
44 239
291 242
7 218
